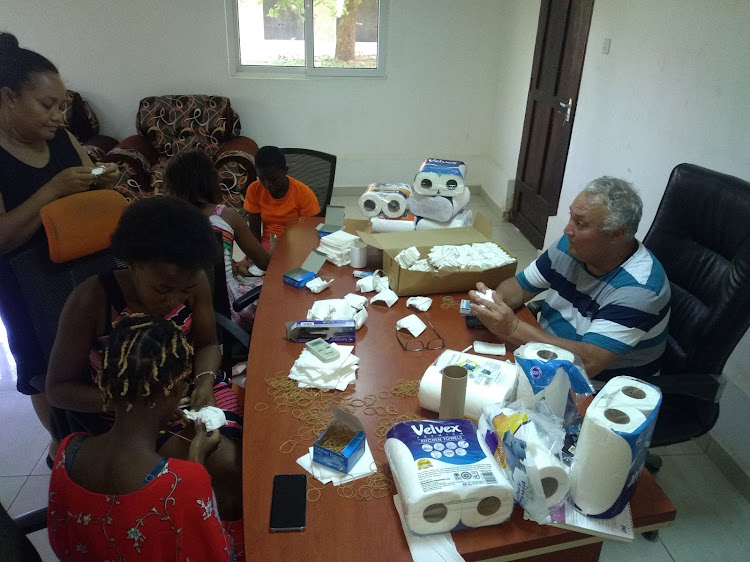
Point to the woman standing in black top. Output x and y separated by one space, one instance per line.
39 163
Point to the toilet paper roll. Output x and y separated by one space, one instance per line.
477 395
389 199
453 392
370 204
426 183
554 475
464 217
629 392
604 458
395 204
425 513
401 224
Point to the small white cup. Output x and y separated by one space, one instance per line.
358 254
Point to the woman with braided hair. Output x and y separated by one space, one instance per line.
113 496
167 244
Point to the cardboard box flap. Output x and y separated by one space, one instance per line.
349 420
334 219
314 261
483 225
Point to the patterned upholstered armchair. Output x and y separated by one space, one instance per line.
168 124
80 119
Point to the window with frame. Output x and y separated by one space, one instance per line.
313 37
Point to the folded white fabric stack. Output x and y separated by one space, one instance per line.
311 372
477 256
407 257
336 246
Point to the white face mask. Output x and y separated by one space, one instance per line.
413 324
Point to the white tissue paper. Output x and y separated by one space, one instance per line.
422 304
356 301
311 372
387 296
317 285
351 307
360 317
337 246
424 455
365 466
489 348
407 257
211 416
374 282
465 217
365 285
255 271
489 381
427 548
413 324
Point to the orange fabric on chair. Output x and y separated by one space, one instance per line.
81 224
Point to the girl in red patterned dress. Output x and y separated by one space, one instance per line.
112 496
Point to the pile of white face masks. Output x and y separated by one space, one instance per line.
351 307
336 246
311 372
480 255
381 285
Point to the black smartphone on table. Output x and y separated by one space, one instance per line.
289 502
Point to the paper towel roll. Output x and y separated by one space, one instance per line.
603 458
465 217
477 396
425 513
629 392
491 503
557 391
554 475
406 224
438 208
426 183
451 184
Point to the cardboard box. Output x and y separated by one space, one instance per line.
345 460
407 283
339 331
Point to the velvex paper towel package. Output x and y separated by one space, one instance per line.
550 373
613 445
445 478
489 381
440 177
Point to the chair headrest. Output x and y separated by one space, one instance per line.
81 224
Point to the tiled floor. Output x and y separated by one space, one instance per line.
712 518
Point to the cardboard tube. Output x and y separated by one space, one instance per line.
453 393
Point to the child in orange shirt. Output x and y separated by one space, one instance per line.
276 199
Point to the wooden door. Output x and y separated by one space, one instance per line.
550 108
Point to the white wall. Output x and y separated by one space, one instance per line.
435 101
674 88
517 30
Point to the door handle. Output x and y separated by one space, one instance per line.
567 108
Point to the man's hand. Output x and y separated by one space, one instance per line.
203 394
497 316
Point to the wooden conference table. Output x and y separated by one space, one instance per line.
339 528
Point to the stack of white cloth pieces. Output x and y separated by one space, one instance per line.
351 307
477 256
311 372
336 247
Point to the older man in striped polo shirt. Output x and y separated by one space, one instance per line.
608 296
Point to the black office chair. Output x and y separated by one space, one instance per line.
701 236
14 544
314 168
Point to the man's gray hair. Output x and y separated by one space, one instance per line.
621 200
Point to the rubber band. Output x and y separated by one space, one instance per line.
370 411
290 447
316 498
387 394
261 406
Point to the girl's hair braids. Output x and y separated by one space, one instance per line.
144 355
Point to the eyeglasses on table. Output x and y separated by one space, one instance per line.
418 344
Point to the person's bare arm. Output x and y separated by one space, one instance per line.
510 292
76 331
245 239
82 154
254 222
500 319
205 344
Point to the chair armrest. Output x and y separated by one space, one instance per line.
238 149
31 521
535 307
245 300
135 149
706 387
228 325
